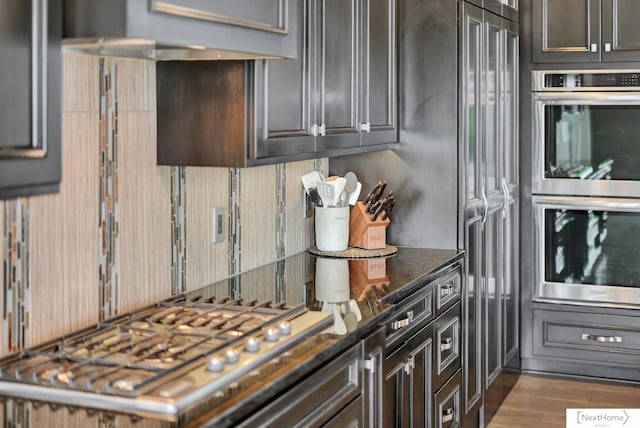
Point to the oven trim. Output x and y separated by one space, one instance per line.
564 186
578 294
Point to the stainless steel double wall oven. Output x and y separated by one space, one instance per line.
586 186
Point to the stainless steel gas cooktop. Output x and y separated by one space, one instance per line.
160 361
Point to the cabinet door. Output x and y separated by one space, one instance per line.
378 83
30 84
492 311
448 404
337 83
472 322
406 389
511 227
491 93
566 31
264 15
510 294
283 101
470 110
471 48
620 30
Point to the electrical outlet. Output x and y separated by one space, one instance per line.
217 225
308 205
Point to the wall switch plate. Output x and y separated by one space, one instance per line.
217 224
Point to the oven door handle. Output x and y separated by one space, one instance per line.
586 96
506 195
485 206
604 204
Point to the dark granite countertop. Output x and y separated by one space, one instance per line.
373 284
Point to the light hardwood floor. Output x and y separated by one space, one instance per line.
538 401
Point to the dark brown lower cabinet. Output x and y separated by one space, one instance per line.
422 381
406 388
584 341
447 403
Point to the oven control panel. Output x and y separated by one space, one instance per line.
589 80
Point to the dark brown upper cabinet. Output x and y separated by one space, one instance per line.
338 96
585 31
505 8
340 92
30 106
228 29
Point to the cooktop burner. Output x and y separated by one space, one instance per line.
160 360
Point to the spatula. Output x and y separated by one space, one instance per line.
327 193
338 189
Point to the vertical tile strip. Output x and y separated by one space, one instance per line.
109 210
17 413
281 281
234 221
178 230
17 293
281 216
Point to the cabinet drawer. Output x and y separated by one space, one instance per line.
411 312
318 398
609 339
447 290
446 348
448 403
350 416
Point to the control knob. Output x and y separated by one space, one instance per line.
271 334
232 356
252 345
285 328
215 364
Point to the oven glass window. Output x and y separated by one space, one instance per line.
592 142
592 247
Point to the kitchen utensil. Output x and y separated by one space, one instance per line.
309 180
350 186
353 307
326 192
372 192
350 320
338 187
375 212
315 197
374 195
388 206
353 197
338 323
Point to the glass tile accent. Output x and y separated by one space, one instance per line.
108 203
178 229
17 293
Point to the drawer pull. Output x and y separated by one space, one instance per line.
602 339
398 324
446 344
446 289
447 414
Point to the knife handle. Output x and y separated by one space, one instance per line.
372 193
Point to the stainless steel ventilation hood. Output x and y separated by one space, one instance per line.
182 29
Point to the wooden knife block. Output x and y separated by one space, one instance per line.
365 274
364 232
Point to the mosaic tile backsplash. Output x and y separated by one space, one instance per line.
123 232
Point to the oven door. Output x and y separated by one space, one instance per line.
586 143
587 251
